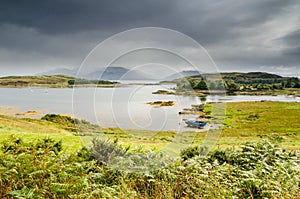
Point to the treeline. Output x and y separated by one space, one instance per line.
238 82
86 81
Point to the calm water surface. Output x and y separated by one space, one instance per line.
123 107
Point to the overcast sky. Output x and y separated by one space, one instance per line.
248 35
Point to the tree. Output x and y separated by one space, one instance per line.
283 84
221 85
212 86
201 85
71 82
297 85
231 86
288 83
183 84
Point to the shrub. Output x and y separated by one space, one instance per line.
106 151
193 151
63 120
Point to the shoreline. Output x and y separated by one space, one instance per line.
80 85
244 121
197 93
204 93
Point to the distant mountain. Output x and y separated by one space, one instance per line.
109 73
185 73
117 73
60 71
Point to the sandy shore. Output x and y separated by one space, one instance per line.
16 112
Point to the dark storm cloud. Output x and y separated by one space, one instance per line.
208 21
293 51
236 33
292 41
292 38
66 16
216 21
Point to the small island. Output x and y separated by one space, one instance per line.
235 83
51 81
161 103
163 92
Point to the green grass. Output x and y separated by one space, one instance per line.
32 129
249 121
244 122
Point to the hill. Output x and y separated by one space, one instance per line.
53 81
116 73
62 71
108 73
233 82
181 74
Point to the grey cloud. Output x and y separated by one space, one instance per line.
65 16
293 52
292 38
234 32
292 42
200 19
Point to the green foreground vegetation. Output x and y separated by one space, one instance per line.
45 158
40 170
50 81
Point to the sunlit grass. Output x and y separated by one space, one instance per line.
31 129
244 122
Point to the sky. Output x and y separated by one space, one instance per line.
248 35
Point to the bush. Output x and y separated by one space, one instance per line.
16 146
71 124
106 151
191 152
65 121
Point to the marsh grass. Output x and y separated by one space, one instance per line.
249 121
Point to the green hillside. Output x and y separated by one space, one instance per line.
234 82
52 81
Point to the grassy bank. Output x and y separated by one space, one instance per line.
245 121
203 93
32 129
248 121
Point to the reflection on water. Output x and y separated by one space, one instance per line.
123 107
